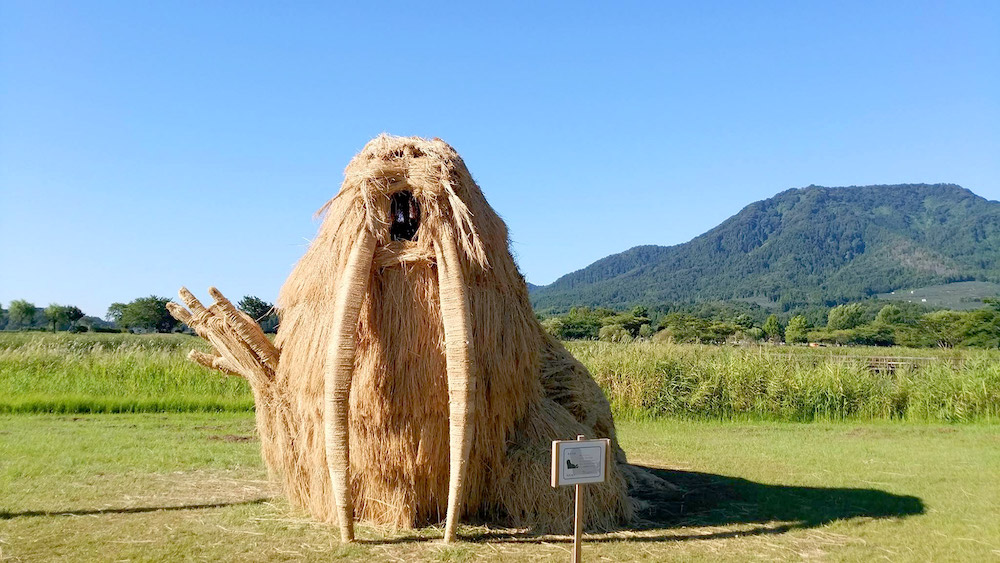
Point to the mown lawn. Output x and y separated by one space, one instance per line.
191 486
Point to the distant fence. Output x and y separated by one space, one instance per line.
877 364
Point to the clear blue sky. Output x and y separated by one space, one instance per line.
148 145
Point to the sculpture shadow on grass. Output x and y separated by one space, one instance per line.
707 500
8 515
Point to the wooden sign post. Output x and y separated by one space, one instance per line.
577 462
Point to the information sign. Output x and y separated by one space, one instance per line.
575 462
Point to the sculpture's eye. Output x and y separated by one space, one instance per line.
405 216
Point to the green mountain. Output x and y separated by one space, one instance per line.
806 246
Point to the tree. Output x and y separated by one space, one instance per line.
639 311
115 312
254 306
889 315
22 313
797 329
56 315
773 329
682 327
145 313
614 333
73 313
62 315
981 329
872 334
944 327
845 316
553 326
260 311
584 322
631 321
743 320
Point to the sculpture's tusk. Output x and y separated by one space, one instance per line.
455 316
339 372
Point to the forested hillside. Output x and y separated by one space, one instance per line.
806 246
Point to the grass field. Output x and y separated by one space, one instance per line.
97 373
80 373
882 471
793 383
191 486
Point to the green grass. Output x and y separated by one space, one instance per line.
111 373
191 486
88 341
649 379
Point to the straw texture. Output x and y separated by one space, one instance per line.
453 391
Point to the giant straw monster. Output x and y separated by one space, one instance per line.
409 380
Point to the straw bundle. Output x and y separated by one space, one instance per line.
414 383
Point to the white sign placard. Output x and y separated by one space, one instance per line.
575 462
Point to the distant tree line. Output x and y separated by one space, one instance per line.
144 314
870 323
24 315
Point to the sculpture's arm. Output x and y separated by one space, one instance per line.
240 345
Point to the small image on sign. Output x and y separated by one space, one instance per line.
579 461
583 462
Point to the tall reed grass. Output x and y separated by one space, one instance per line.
644 379
111 373
150 373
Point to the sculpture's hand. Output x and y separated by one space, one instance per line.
240 345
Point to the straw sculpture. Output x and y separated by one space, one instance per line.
410 381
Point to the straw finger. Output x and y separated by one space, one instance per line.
247 329
191 301
213 362
179 312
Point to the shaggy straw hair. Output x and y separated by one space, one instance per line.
414 381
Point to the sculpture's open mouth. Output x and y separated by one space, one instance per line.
405 216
